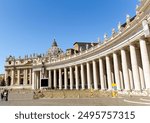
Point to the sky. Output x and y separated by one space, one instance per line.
29 26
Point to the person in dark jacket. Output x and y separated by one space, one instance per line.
4 95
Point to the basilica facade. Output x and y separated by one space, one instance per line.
123 59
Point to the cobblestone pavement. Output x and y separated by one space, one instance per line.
17 99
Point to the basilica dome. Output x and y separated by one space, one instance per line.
54 51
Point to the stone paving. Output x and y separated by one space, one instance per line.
26 99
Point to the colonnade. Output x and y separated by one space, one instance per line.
128 67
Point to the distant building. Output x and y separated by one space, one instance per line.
81 46
70 51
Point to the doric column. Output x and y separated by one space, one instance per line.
41 75
82 76
77 77
18 76
33 80
108 69
71 78
101 71
30 76
125 69
60 79
66 77
116 70
38 80
50 79
55 79
6 75
135 69
140 69
12 77
89 79
24 77
145 62
95 76
130 71
120 73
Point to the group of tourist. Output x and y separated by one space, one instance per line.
4 95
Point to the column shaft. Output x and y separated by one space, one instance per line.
38 80
108 69
12 77
125 69
71 78
6 75
135 69
18 76
145 62
82 76
101 69
55 79
89 79
30 76
77 77
66 77
95 77
33 80
60 79
50 79
116 70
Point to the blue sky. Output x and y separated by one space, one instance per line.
29 26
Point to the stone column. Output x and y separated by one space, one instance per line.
12 77
50 79
82 76
71 78
116 70
66 77
120 72
101 71
95 76
55 79
33 80
6 75
18 76
25 77
60 79
30 76
125 69
140 69
145 62
135 69
41 75
89 79
130 71
77 77
38 80
108 69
